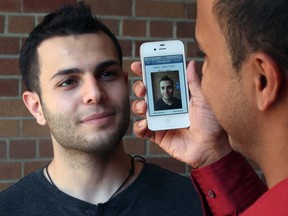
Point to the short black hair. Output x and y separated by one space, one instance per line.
254 25
69 20
167 78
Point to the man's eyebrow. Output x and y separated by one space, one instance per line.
100 66
65 72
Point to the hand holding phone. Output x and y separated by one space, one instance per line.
164 75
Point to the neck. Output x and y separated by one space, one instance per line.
168 101
92 178
275 168
271 152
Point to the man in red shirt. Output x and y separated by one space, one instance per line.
241 105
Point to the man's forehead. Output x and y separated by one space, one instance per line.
165 82
71 53
68 39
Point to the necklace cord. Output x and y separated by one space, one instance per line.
131 173
49 177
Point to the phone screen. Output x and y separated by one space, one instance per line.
165 82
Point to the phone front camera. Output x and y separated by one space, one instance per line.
154 49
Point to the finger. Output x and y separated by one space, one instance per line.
136 68
139 107
141 129
139 88
193 79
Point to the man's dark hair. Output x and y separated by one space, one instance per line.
69 20
254 25
166 78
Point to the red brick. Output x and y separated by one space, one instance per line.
161 29
126 46
44 6
9 87
23 87
3 150
185 30
136 28
45 149
9 128
113 25
9 66
10 5
127 67
137 47
134 146
9 46
30 167
24 149
13 108
2 24
152 8
193 51
20 24
169 163
111 7
32 129
191 10
10 170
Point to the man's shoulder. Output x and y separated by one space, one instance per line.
167 178
159 102
19 194
19 187
165 191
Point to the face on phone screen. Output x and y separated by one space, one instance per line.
165 82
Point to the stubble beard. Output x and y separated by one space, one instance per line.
71 140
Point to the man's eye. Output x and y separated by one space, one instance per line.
68 82
108 75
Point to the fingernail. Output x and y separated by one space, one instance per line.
138 106
142 123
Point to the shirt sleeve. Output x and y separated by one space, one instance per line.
228 186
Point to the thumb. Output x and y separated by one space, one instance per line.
194 82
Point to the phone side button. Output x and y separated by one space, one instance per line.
169 121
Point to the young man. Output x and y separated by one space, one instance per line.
72 67
167 101
245 84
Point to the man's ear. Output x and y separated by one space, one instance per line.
33 103
267 80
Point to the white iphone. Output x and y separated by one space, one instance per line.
164 75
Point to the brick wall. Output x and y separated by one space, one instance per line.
25 146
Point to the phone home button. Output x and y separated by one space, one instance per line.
169 121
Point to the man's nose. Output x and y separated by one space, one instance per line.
92 91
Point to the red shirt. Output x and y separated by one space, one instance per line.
273 202
230 186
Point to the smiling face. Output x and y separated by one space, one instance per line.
84 92
166 89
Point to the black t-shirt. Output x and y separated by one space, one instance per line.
156 191
161 105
